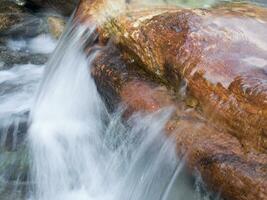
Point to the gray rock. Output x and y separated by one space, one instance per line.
9 57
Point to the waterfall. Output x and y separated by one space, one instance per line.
81 152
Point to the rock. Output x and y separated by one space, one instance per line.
215 66
211 66
14 157
64 7
217 155
56 26
13 131
16 20
14 171
10 57
110 76
7 20
223 69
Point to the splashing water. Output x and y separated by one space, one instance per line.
78 151
18 84
76 154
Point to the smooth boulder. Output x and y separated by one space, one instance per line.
210 64
220 55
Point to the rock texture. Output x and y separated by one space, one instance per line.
217 155
211 65
65 7
217 53
16 20
56 26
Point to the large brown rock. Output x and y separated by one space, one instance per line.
213 61
220 54
217 155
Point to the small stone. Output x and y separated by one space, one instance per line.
191 102
56 26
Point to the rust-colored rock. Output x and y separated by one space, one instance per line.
215 62
221 54
217 155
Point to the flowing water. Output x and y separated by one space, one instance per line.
80 151
75 149
18 84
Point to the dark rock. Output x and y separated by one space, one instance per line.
16 20
64 7
13 132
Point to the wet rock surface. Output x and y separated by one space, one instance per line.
56 26
9 58
65 7
223 70
25 45
211 66
216 154
18 20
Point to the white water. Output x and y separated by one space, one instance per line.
79 151
18 83
43 43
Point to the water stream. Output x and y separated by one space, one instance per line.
75 149
80 151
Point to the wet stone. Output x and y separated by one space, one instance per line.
64 7
13 132
17 20
56 25
9 57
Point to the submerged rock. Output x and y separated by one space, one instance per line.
9 14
